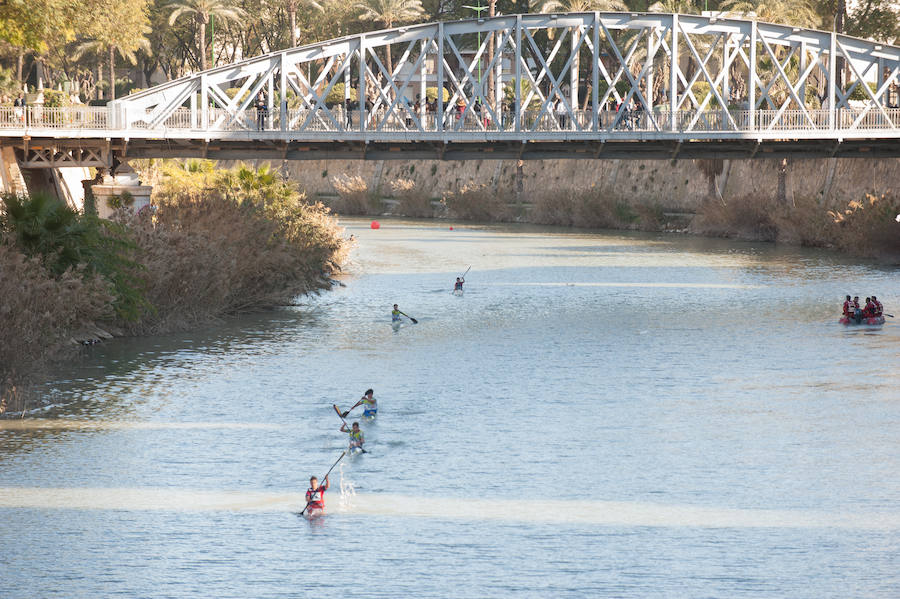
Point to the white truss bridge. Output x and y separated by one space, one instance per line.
535 86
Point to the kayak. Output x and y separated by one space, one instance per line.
872 320
458 292
313 514
356 450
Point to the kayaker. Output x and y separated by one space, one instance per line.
879 309
396 313
315 495
356 436
369 403
459 283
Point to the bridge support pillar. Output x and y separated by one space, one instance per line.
121 190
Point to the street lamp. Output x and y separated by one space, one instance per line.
478 10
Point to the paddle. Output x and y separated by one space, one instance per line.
414 321
353 407
343 453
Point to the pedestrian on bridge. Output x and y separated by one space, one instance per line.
19 107
262 110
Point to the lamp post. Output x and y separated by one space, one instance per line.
478 10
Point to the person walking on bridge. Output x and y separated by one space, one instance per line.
262 110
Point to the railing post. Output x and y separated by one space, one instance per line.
270 100
204 103
832 74
595 74
673 76
752 92
193 110
518 120
362 96
423 92
439 113
283 86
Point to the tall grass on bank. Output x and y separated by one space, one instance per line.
39 312
228 241
354 196
411 201
216 242
478 203
866 228
594 209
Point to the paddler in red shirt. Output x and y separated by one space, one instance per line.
315 496
848 307
869 310
879 309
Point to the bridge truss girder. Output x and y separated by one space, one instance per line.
551 76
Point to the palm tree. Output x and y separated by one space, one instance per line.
793 12
118 29
389 13
202 10
292 6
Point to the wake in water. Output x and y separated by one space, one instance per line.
349 502
348 493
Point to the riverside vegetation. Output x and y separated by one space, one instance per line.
215 243
865 228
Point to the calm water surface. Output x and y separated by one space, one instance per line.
601 415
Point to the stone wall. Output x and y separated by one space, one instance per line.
677 187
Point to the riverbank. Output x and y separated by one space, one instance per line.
845 204
216 243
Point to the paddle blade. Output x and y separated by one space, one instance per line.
414 321
338 410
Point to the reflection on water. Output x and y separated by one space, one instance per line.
599 415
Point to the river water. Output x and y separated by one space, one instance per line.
600 415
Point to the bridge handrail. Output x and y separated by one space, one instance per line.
94 118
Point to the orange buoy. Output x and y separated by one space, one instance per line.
375 224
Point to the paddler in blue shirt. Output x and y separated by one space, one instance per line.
356 436
370 405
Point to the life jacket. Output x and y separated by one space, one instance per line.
847 310
395 315
869 310
356 438
879 309
316 498
370 406
458 285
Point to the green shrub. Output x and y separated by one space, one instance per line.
336 95
432 92
55 99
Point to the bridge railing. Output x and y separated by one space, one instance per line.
455 121
63 117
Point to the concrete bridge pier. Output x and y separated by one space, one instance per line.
121 189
